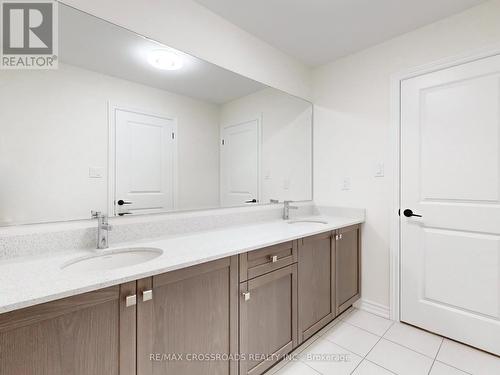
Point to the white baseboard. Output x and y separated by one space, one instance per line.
374 308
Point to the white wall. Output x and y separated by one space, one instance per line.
286 155
55 126
352 124
189 27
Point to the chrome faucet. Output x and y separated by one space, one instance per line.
103 228
287 208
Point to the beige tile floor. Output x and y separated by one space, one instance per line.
361 343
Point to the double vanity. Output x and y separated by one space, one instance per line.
230 300
199 269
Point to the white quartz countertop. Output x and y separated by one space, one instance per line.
29 280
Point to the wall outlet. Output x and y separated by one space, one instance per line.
96 172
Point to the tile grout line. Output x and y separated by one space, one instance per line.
349 350
340 346
454 367
386 369
413 350
380 338
396 343
311 340
364 329
434 361
304 363
321 335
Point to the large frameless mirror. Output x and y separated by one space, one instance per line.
126 125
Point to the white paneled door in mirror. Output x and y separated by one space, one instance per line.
240 163
145 159
450 176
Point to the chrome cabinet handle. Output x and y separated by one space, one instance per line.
246 296
131 300
147 295
273 258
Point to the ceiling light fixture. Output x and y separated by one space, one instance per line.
165 60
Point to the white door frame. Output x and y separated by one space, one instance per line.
112 107
259 119
395 141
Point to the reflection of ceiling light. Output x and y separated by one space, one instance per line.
165 60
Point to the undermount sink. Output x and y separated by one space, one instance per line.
307 221
112 259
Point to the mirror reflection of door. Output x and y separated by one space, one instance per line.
240 159
145 156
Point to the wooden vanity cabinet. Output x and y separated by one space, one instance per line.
268 319
192 311
316 287
87 334
348 260
196 320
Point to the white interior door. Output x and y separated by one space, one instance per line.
240 154
144 162
450 174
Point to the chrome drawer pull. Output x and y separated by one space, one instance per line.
273 258
147 295
131 300
246 296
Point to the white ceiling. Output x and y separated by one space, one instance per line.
97 45
319 31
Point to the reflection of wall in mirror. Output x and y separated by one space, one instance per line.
286 165
54 132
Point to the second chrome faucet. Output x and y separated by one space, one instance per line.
103 228
287 208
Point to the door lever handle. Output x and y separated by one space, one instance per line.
121 202
409 213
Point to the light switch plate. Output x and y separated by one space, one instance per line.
379 170
96 172
346 183
286 184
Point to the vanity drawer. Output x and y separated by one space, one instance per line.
259 262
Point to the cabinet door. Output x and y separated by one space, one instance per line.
268 319
79 335
348 266
316 279
186 316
